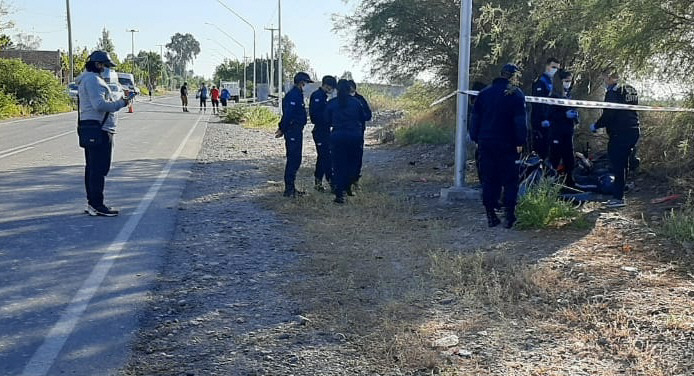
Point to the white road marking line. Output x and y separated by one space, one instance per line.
15 150
44 357
35 118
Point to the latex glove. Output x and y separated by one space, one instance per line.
519 149
572 114
545 124
279 133
593 128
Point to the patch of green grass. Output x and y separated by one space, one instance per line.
424 134
252 117
679 225
541 207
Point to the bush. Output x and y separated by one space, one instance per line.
541 207
424 134
38 90
679 225
252 117
9 107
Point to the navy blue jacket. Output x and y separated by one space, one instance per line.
620 121
367 110
498 119
316 108
559 123
349 117
542 87
293 111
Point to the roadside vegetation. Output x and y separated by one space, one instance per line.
25 90
541 207
258 117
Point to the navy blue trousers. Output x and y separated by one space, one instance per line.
500 171
293 141
324 164
346 151
98 164
619 150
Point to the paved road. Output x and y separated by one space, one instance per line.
71 285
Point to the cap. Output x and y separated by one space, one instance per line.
510 68
103 57
302 76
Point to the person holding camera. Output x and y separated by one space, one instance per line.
96 128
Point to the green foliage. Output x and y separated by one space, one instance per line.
679 225
378 100
39 90
252 117
424 134
184 48
541 207
79 59
9 107
106 44
667 146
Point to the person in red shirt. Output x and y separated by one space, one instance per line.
215 100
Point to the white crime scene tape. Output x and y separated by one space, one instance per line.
579 103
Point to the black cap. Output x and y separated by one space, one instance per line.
302 76
102 57
510 68
330 81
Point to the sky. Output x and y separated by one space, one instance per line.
308 24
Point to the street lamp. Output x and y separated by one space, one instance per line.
132 35
244 56
255 62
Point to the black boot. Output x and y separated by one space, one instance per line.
339 198
510 218
319 185
492 219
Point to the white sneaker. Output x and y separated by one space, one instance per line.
615 203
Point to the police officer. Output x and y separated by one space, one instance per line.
321 131
346 116
539 117
368 116
292 127
498 127
97 108
561 131
623 130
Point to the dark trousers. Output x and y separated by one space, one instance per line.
224 102
541 141
203 103
360 162
346 147
324 164
215 105
293 141
500 171
98 164
562 150
619 150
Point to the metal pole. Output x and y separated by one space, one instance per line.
272 57
279 55
132 34
163 66
255 62
244 54
69 43
461 134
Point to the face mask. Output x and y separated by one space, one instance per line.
106 73
552 72
567 85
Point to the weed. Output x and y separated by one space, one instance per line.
541 207
424 134
679 225
252 117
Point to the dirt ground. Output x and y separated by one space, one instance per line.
397 282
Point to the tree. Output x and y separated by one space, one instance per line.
184 48
5 42
79 58
151 65
106 44
26 42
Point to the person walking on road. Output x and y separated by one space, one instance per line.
321 131
368 116
346 116
202 94
184 97
539 116
623 128
215 100
224 97
563 120
291 127
498 127
96 111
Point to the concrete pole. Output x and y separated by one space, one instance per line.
280 93
71 62
461 134
272 57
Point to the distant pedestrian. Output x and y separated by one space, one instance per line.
291 127
224 97
203 93
346 116
96 127
321 131
368 116
184 97
150 89
498 128
623 127
215 100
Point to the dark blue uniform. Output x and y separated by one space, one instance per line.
498 127
292 126
321 135
561 135
542 87
623 129
368 116
346 140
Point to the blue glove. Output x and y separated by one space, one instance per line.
593 128
545 124
572 114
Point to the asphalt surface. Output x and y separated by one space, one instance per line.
72 286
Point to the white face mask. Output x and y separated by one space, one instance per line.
567 85
552 72
106 74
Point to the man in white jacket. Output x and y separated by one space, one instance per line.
97 108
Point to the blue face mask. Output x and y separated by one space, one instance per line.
106 74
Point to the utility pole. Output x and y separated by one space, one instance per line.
255 61
132 35
163 66
69 43
279 54
244 54
272 57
